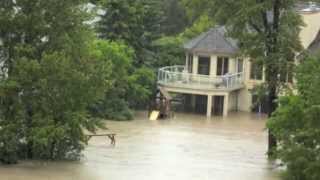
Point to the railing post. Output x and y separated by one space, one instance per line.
227 81
174 74
165 77
162 75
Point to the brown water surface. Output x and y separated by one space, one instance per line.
188 147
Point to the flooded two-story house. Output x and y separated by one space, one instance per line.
215 80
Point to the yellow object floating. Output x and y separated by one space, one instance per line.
154 115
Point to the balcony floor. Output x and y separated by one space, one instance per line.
179 86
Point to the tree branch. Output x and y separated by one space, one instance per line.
255 26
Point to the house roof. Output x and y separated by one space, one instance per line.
314 47
213 41
307 7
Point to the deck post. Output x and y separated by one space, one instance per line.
225 105
209 106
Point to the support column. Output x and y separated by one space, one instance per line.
226 105
232 65
187 61
195 64
213 66
209 106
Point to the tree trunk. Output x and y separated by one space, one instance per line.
272 106
272 72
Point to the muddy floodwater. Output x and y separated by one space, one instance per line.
188 147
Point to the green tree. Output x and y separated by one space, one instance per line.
296 125
48 79
169 51
119 56
175 17
197 8
130 87
202 24
135 22
142 84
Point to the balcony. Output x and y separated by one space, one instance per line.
179 77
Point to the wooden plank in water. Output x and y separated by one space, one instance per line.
111 136
154 115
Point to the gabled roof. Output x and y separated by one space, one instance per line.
314 47
213 41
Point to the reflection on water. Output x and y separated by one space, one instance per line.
188 147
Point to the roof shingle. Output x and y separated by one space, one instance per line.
213 41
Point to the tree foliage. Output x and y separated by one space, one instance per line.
296 125
48 79
130 86
202 24
114 105
169 51
175 17
49 100
136 22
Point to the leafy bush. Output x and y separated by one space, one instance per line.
44 106
130 86
296 125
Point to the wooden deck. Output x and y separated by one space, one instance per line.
199 86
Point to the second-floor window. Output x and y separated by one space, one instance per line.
222 66
286 74
239 65
204 65
256 71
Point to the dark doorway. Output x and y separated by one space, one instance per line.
204 65
218 105
222 66
187 104
201 104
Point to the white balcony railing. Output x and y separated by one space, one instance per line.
179 76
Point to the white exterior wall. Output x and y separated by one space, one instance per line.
241 99
244 100
311 28
245 96
232 65
232 104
